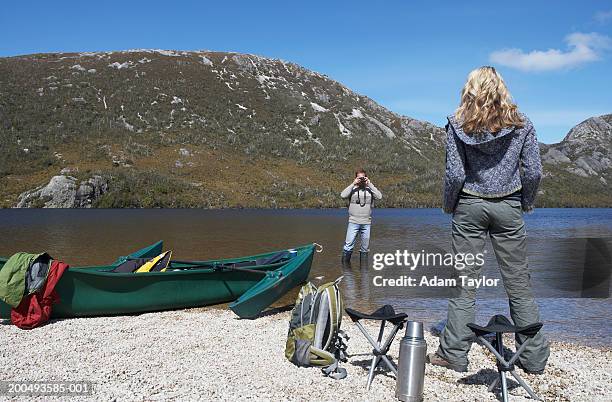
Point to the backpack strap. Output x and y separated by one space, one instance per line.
334 371
372 198
328 310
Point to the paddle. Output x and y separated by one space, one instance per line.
229 268
197 264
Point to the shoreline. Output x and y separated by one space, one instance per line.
283 208
196 353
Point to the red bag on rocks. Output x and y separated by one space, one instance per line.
35 309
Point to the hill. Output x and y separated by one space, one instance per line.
578 170
157 128
204 129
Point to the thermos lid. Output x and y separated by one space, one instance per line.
414 329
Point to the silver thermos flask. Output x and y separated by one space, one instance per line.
411 370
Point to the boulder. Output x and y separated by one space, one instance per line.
64 191
89 191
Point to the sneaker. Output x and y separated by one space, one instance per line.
436 360
536 372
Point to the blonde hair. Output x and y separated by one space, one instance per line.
486 104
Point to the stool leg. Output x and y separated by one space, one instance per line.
381 332
389 364
375 361
502 374
493 384
525 385
380 348
504 386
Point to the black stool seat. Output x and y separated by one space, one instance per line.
385 313
501 324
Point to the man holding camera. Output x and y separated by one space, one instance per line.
361 193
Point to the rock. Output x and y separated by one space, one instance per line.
67 170
554 156
583 163
184 152
595 128
586 151
244 63
578 172
62 191
89 191
59 193
206 61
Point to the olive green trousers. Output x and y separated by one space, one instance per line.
502 220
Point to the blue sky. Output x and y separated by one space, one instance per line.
411 57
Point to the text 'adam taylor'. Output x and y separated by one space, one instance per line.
434 281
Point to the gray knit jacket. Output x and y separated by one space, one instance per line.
492 165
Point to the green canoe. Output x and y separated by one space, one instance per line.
252 283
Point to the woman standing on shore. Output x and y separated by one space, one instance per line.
493 171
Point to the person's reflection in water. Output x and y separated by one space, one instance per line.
357 282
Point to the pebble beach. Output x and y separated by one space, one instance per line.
210 354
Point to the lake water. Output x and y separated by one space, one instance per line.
569 253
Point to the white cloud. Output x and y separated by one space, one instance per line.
603 16
582 48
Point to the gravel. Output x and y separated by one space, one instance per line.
204 354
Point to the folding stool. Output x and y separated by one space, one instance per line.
499 325
381 348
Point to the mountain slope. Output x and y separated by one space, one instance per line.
578 170
157 128
254 131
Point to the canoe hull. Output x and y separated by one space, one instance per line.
269 289
90 291
83 295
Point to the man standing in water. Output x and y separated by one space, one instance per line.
361 193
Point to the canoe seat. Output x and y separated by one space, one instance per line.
130 265
156 264
273 258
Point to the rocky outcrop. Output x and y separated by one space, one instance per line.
64 192
577 170
586 150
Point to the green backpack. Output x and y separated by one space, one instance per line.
315 338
